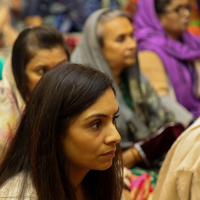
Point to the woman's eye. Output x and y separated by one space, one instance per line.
96 125
121 38
132 35
41 71
114 119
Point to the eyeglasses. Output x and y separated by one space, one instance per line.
180 10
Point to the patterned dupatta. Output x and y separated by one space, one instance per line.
11 104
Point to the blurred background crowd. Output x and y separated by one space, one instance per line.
65 15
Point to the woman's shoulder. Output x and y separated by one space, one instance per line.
146 55
151 64
12 188
189 147
180 173
183 156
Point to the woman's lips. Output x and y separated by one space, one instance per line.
110 154
186 23
131 55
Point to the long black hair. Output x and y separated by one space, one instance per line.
29 41
62 93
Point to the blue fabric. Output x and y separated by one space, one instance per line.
2 61
73 14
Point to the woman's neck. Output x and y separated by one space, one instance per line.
116 71
80 194
174 36
76 176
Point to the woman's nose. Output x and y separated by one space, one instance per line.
132 44
112 135
186 11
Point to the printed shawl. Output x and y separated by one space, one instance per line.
11 105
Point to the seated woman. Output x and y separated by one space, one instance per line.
36 50
108 45
66 144
179 176
168 52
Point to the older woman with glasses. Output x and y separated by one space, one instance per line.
169 54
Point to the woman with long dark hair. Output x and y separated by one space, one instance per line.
66 144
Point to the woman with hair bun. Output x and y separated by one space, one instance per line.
36 51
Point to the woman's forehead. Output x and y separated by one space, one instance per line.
117 26
106 104
176 3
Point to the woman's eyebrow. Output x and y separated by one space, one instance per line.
41 66
101 115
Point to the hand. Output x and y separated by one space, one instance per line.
127 174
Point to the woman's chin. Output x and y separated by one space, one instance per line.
130 62
103 166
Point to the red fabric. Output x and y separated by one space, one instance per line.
141 187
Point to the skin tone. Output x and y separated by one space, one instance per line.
35 20
94 136
119 46
128 158
15 5
5 18
9 34
175 23
43 61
